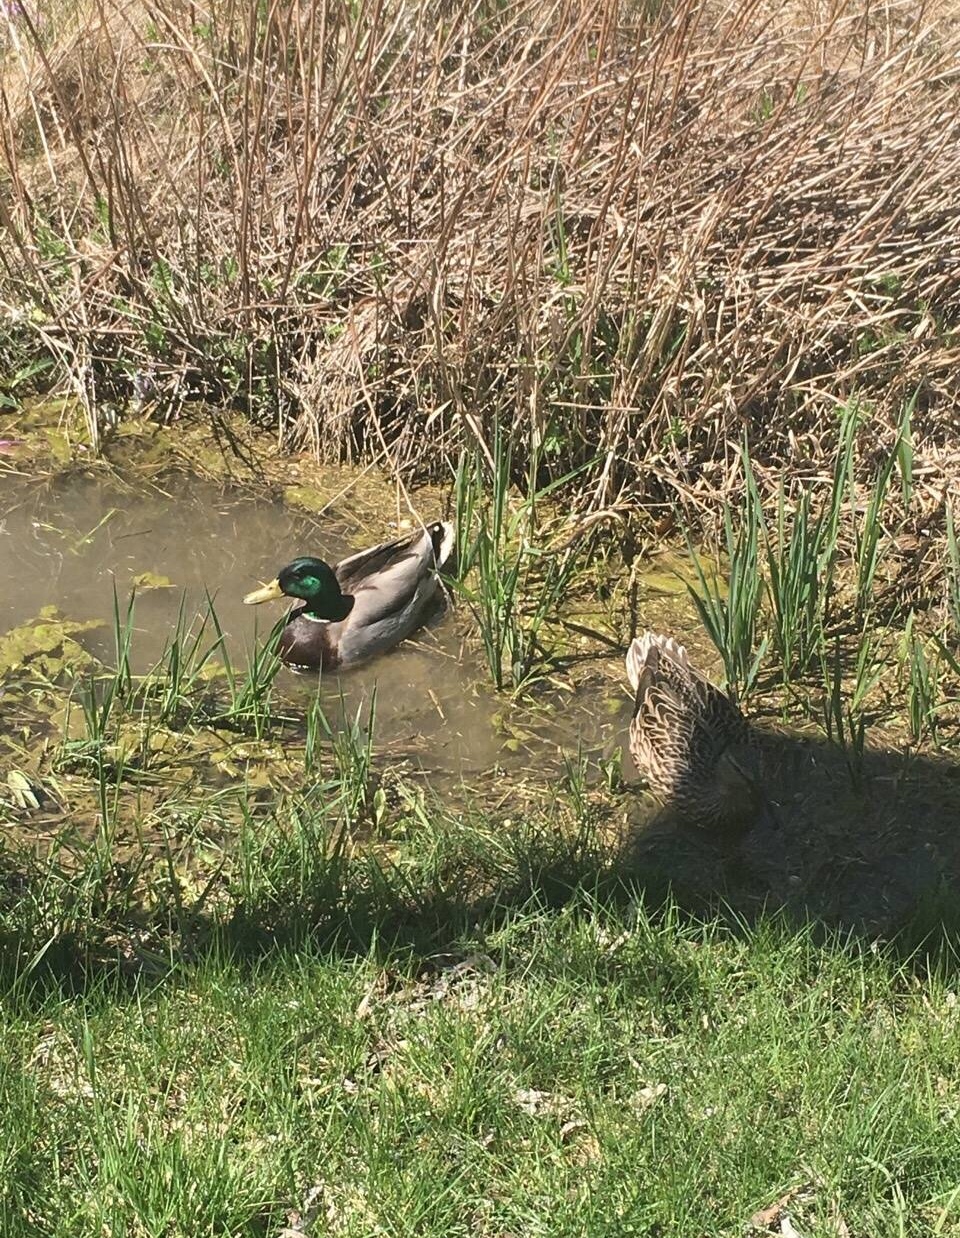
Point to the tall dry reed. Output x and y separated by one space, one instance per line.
628 230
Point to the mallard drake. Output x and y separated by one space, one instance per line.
364 605
689 740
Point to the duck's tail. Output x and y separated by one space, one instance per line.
443 534
643 656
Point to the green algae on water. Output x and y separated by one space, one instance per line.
47 643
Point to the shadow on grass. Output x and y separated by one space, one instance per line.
875 862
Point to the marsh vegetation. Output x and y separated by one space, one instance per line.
660 304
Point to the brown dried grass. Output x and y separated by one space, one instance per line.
630 232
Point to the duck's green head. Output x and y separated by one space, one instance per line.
311 580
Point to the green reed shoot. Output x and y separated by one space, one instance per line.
102 694
97 700
353 753
102 701
730 616
122 639
904 451
519 586
250 707
843 725
844 716
483 524
840 483
868 669
869 533
844 460
576 778
796 557
317 727
99 756
923 687
467 494
179 672
800 552
351 746
250 691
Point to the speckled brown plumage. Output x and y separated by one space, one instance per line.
688 739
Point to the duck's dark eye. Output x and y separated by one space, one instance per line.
310 582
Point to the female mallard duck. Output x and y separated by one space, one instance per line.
364 605
688 739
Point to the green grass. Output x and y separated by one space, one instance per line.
220 1008
809 596
466 1025
581 1069
313 988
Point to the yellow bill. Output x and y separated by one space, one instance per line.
266 593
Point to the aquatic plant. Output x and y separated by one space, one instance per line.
796 550
870 533
179 673
924 700
514 586
350 743
193 684
844 699
730 610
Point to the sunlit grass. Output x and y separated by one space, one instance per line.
593 1069
406 1018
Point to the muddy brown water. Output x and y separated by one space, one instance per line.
70 543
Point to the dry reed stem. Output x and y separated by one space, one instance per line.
629 232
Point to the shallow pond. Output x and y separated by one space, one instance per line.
71 542
865 853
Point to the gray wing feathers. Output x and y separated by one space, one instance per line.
393 585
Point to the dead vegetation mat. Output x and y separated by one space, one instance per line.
632 232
